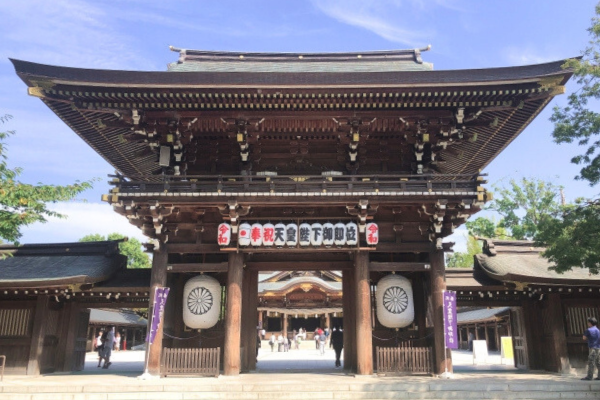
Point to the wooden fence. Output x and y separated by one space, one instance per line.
203 362
405 359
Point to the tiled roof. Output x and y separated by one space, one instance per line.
378 61
485 314
281 285
520 261
45 265
469 279
116 317
382 61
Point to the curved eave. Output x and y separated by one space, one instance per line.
32 72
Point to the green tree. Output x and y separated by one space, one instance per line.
523 204
572 238
578 122
131 248
464 260
23 204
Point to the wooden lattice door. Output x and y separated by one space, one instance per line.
519 338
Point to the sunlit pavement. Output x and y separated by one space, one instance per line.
306 359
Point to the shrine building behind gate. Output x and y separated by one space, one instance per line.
238 146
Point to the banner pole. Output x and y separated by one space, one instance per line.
146 375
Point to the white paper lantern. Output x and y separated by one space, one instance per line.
372 233
279 239
328 234
268 234
339 234
224 234
244 234
316 234
256 235
395 304
351 234
304 232
201 302
291 235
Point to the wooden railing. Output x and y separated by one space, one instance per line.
299 184
404 359
198 362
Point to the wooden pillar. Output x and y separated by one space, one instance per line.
349 320
530 323
260 319
420 310
158 278
249 319
328 321
487 338
559 338
254 315
233 315
438 285
364 338
497 337
285 324
37 335
476 332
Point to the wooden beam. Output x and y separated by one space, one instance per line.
186 248
398 266
197 267
386 247
299 265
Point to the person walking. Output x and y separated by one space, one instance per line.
592 335
337 342
117 341
322 342
108 346
272 342
100 346
280 342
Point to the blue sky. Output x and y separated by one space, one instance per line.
136 34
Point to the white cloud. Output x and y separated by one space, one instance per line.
83 219
393 20
64 32
527 56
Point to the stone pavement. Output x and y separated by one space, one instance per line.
306 359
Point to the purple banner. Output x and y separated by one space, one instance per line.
450 331
158 307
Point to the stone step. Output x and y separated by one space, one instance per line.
224 389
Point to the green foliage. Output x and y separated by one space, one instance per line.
464 260
572 237
577 122
23 204
487 228
132 248
481 227
523 204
